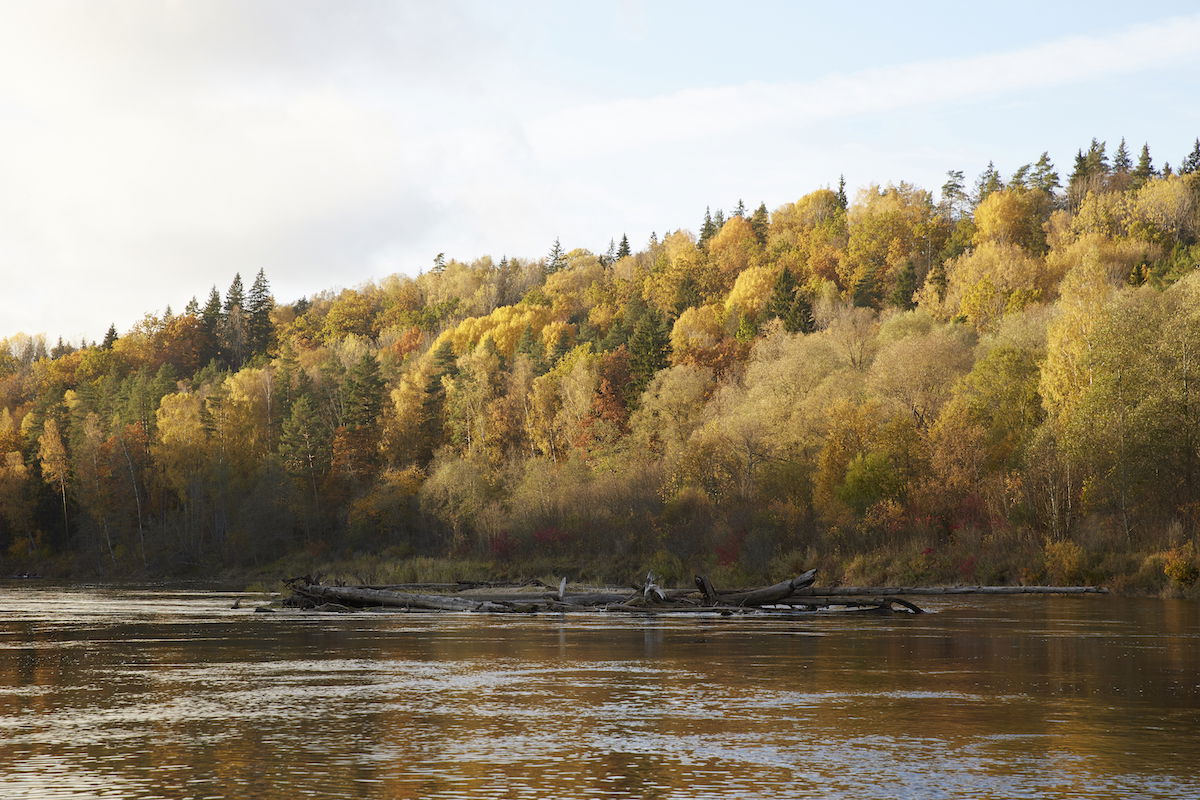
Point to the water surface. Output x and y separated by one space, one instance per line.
171 694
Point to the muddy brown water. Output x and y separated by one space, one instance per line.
152 693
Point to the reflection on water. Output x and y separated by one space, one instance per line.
170 694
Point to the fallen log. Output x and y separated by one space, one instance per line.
361 598
755 597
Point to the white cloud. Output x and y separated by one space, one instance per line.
640 123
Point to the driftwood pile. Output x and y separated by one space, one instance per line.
795 594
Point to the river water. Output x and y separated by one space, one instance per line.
121 693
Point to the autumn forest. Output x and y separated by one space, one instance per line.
996 381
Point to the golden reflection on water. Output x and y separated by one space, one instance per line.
117 693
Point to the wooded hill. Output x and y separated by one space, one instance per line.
999 383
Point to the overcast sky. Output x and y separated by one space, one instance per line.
149 150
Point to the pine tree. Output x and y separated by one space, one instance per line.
1192 162
1097 159
989 181
718 221
109 338
1020 178
304 443
439 264
623 248
953 196
1144 170
1121 161
610 255
1044 176
740 209
556 260
760 223
259 305
842 201
192 309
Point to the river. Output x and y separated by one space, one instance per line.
166 693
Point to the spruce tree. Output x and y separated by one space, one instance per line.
1191 163
790 305
1121 161
192 308
439 264
842 201
556 260
259 305
109 338
906 286
236 296
649 347
760 223
1144 170
740 209
708 227
623 248
364 393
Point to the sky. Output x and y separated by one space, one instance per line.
150 150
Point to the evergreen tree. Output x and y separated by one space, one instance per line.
1192 162
192 308
433 405
740 209
364 393
906 286
1144 170
109 338
718 221
989 181
304 443
259 305
842 201
954 198
1121 161
439 264
687 295
1020 178
610 255
790 305
708 228
760 223
556 260
1044 176
1097 159
236 296
623 248
649 347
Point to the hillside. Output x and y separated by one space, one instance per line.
999 386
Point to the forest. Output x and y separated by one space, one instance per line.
995 383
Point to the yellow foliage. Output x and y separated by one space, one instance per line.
698 327
505 325
733 249
752 290
1013 216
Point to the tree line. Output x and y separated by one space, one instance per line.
1009 366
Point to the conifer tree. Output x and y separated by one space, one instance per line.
259 305
623 248
708 228
1044 176
740 209
1121 161
109 338
1192 162
760 223
556 260
649 347
235 297
842 201
906 286
989 181
953 197
790 305
193 307
439 264
1144 170
364 393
